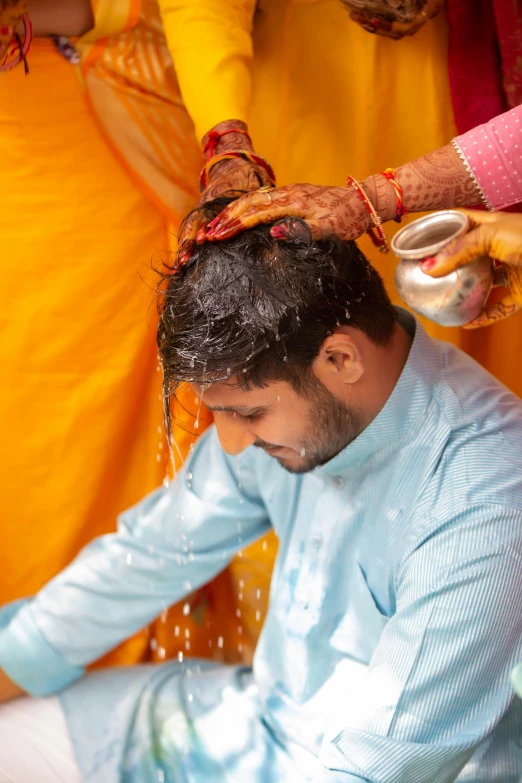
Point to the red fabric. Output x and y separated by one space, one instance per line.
484 61
474 62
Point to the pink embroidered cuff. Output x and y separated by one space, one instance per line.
492 153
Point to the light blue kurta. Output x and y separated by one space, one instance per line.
395 615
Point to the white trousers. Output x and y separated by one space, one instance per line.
34 743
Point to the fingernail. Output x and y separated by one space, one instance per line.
213 229
226 228
201 235
428 263
6 30
213 223
381 24
278 232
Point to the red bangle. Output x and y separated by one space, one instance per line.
401 209
251 157
381 240
19 48
215 136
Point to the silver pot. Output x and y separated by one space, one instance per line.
453 300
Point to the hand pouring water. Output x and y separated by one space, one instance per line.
452 300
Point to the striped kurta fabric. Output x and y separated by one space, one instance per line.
395 614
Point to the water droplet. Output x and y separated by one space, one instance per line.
158 429
240 648
258 593
238 612
347 314
303 452
240 629
285 358
153 643
161 776
158 457
265 546
187 645
241 583
258 616
187 586
129 559
180 657
161 652
277 338
176 630
190 697
187 633
186 609
220 642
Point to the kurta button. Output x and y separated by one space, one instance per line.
317 541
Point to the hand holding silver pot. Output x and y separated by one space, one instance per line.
452 300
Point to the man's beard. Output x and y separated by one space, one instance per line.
332 425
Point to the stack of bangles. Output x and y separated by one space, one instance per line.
16 49
376 233
251 157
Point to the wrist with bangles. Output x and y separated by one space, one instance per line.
380 209
15 36
230 140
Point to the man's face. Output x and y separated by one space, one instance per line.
300 431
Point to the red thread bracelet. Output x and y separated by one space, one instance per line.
381 240
251 157
215 136
401 209
19 48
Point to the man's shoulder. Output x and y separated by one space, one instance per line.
465 388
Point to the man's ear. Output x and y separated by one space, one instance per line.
339 362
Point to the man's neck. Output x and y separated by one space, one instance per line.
383 367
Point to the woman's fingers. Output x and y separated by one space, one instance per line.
261 202
497 312
188 238
270 213
460 252
297 230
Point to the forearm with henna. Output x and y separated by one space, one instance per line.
231 141
438 180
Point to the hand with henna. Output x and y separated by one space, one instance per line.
494 234
385 25
438 180
327 211
228 177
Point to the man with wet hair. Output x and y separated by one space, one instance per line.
390 466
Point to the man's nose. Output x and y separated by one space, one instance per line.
233 434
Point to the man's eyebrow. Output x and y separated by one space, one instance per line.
236 408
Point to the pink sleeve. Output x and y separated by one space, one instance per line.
492 154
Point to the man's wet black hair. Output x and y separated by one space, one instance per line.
253 309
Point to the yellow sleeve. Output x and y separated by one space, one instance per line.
211 45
